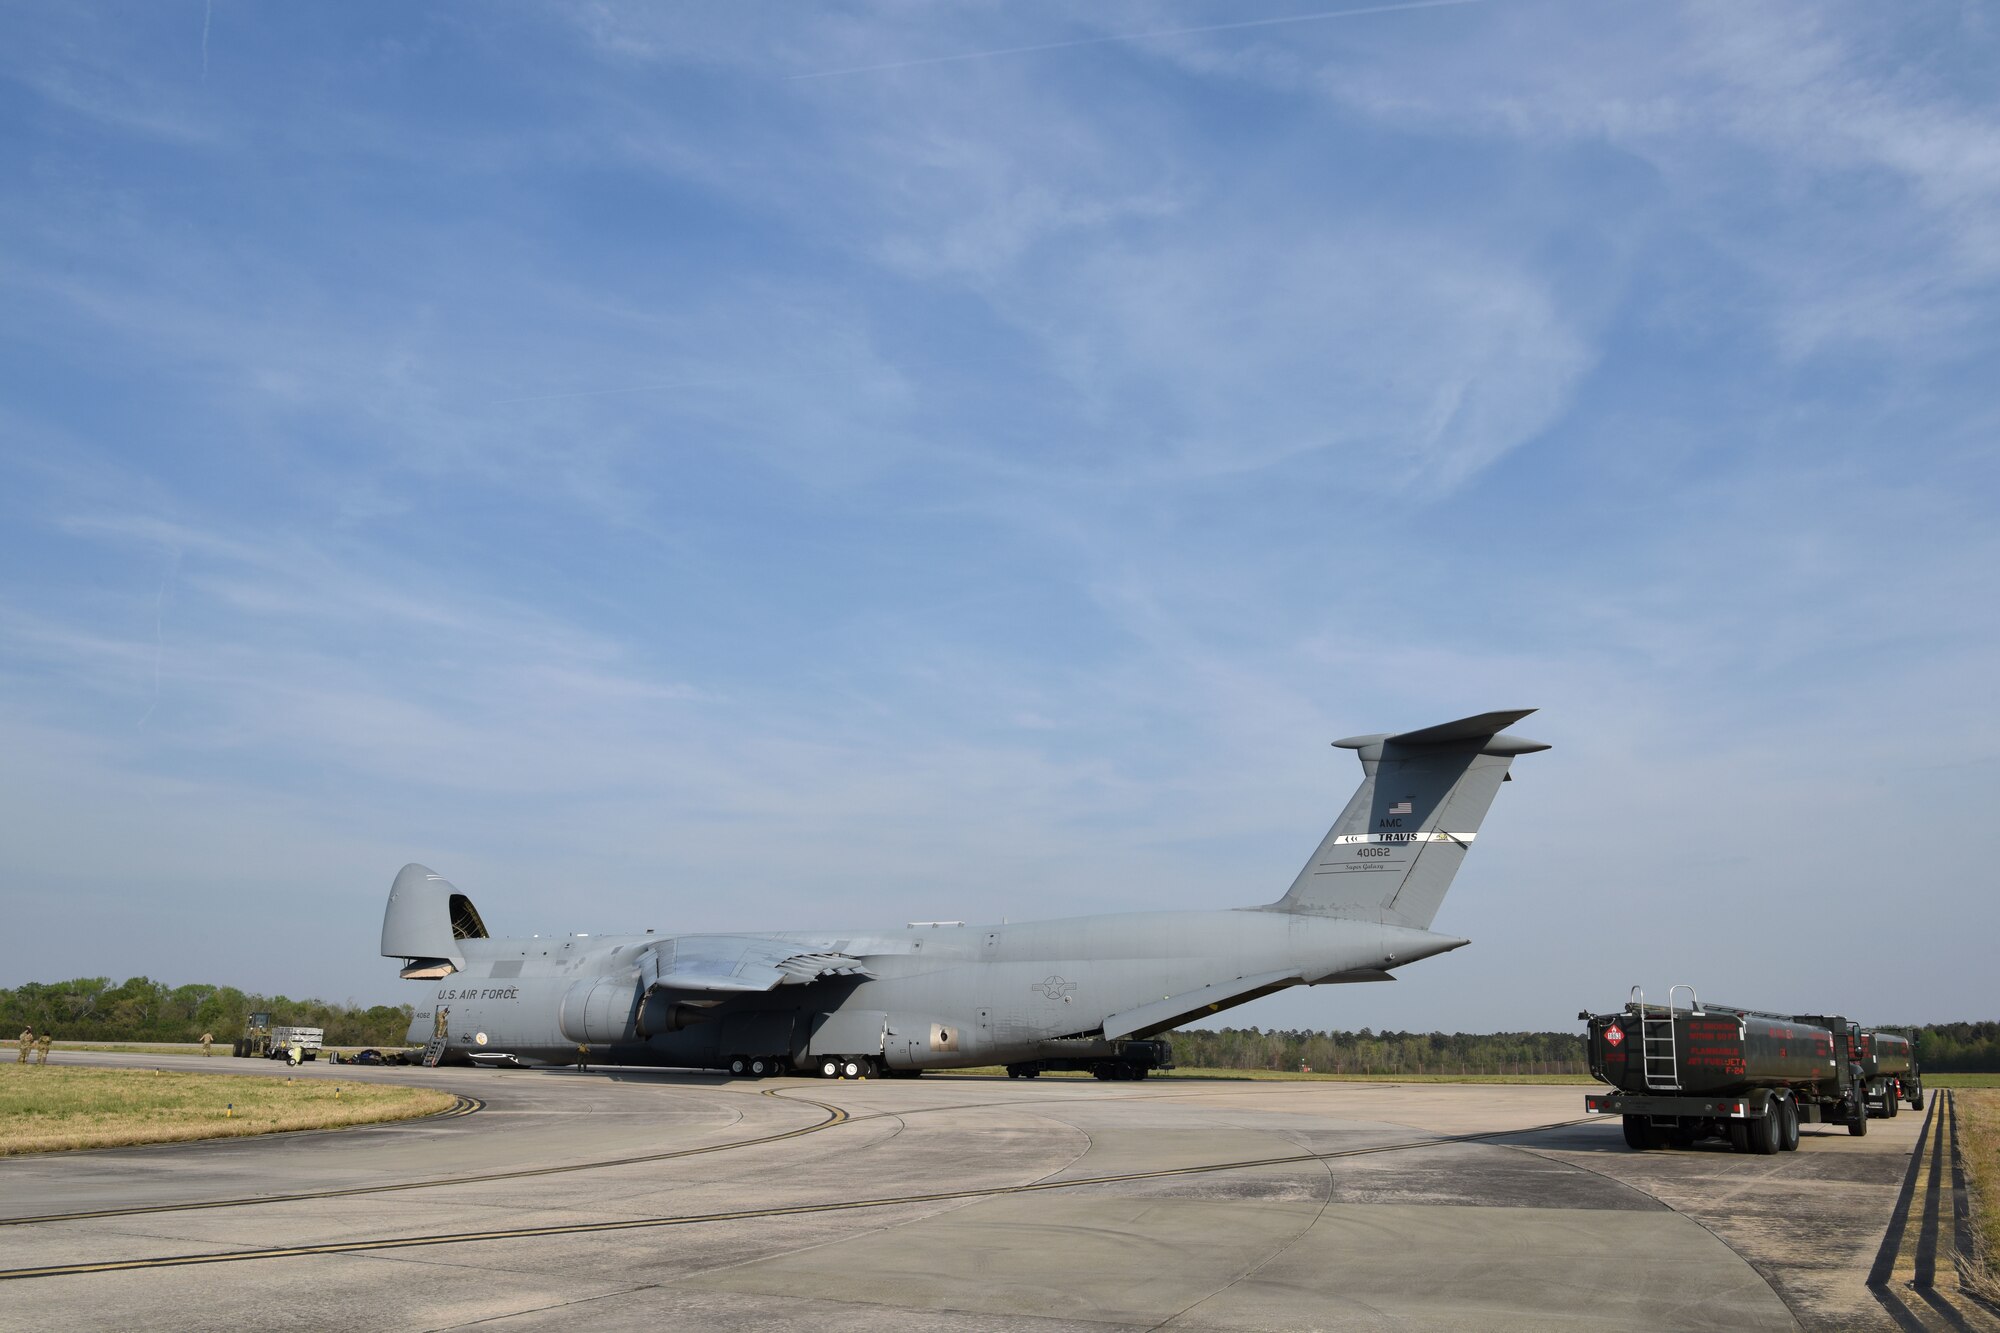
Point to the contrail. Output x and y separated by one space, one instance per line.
592 393
1132 37
207 12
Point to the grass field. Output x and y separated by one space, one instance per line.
1962 1080
1979 1140
48 1109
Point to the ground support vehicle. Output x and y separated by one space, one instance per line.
1132 1059
274 1041
1684 1073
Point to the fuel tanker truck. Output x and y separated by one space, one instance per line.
1889 1066
1688 1071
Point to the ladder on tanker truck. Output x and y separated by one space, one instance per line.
1659 1049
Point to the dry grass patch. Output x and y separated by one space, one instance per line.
1979 1141
55 1107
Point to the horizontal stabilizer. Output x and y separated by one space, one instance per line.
1484 727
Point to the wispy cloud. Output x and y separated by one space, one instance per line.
1201 30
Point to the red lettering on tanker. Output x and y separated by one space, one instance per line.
1714 1044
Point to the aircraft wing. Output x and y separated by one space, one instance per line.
1173 1010
741 963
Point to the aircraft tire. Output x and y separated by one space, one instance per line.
738 1066
829 1068
852 1068
759 1066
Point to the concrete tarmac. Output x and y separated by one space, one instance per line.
619 1199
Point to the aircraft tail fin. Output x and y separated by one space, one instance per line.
426 918
1392 853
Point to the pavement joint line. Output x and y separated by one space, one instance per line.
835 1116
751 1214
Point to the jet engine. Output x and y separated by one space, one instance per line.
598 1011
659 1012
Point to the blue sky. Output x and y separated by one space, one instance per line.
757 466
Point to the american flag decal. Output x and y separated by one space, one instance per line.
1400 808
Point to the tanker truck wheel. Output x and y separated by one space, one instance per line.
1891 1102
1739 1135
1857 1124
1917 1100
1788 1125
1638 1133
1767 1131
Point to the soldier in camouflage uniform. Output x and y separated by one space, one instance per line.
42 1044
27 1044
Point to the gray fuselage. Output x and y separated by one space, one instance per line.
940 997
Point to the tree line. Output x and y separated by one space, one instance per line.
1968 1048
1957 1048
141 1009
1371 1052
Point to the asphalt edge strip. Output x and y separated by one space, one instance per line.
1899 1219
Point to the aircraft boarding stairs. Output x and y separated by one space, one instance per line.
441 1035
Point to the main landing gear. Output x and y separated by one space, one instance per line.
826 1066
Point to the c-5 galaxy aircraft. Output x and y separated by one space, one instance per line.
1080 992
